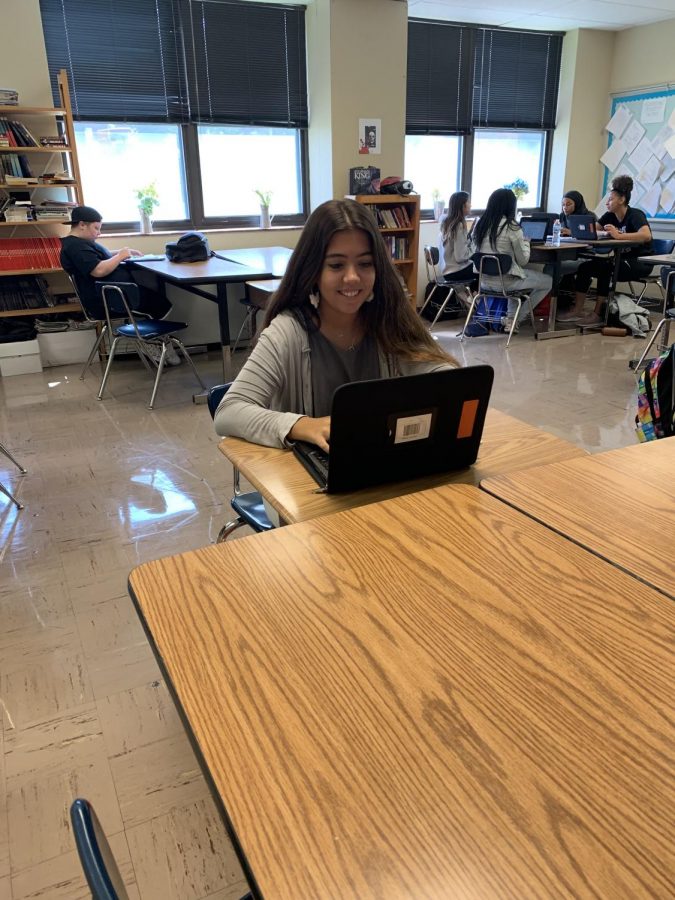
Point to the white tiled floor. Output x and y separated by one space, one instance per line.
110 484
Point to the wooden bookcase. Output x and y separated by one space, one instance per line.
405 237
42 159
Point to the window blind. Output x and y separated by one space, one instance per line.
179 60
440 70
516 76
246 63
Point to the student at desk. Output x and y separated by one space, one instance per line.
454 249
621 222
87 261
340 314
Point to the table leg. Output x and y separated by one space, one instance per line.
550 331
224 325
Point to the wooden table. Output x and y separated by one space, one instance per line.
432 697
620 505
270 260
508 445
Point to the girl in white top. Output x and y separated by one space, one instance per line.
453 247
498 232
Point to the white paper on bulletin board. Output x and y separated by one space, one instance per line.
643 127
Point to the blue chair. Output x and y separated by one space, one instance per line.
660 248
98 864
147 334
249 507
493 265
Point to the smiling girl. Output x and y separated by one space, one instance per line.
339 315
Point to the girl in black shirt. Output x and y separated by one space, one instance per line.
621 222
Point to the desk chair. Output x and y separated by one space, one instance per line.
431 259
98 864
660 248
665 323
250 319
494 265
145 333
21 469
249 507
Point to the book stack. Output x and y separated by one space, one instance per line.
15 134
8 97
30 253
393 217
57 141
398 246
24 292
17 214
52 211
14 167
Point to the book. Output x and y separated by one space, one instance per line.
361 180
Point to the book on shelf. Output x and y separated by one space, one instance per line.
54 141
24 292
30 253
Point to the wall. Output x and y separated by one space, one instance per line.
643 57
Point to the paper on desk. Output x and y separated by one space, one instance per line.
619 121
613 154
659 139
632 136
649 172
667 199
601 208
641 154
650 201
653 111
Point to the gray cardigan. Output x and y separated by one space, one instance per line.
274 388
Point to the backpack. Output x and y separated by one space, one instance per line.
193 246
656 399
395 185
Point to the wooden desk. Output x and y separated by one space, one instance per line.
395 702
507 445
215 271
620 505
260 292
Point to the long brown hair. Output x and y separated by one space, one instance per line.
455 216
389 317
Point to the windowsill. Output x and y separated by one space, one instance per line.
158 231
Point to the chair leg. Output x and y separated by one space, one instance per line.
4 490
228 528
160 369
426 302
513 322
650 343
474 300
4 450
104 380
94 351
188 359
250 316
451 293
144 359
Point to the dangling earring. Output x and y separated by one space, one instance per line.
372 297
314 299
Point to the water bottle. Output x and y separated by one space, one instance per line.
556 233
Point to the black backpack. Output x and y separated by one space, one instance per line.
193 246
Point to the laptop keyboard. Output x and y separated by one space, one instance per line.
314 459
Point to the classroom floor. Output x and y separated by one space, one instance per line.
84 711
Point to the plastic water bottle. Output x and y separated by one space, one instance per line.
556 233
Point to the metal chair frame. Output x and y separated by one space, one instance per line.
653 278
494 262
21 469
249 319
431 260
160 340
663 325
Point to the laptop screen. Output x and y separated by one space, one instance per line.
534 229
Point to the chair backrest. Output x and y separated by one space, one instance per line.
431 258
492 264
120 298
90 314
662 247
98 864
215 395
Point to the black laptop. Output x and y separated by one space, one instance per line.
583 228
394 429
534 230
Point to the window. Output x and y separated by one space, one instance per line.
432 162
501 157
160 100
117 158
237 160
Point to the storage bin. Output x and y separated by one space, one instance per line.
62 348
20 358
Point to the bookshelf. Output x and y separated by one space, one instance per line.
398 221
36 121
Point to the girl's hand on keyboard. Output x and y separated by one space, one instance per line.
314 431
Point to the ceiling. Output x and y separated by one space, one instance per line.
546 14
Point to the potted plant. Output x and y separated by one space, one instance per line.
148 199
520 188
265 197
439 204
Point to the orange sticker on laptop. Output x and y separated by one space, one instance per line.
467 420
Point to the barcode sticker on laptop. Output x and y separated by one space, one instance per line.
413 428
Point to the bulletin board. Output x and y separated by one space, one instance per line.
642 145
